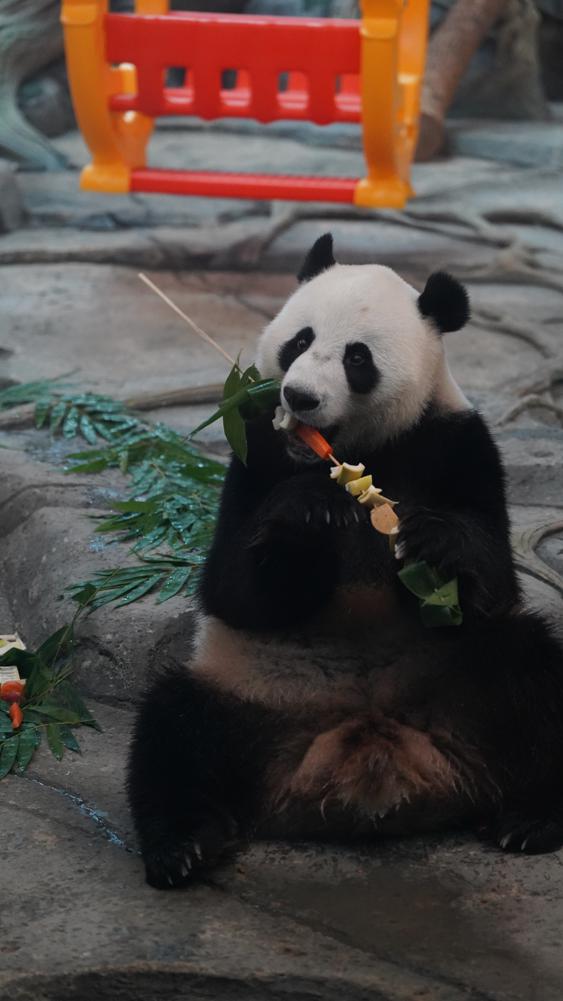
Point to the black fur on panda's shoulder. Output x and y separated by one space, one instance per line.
444 301
447 459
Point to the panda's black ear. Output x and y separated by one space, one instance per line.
445 301
319 258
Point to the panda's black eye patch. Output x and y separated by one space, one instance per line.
359 366
298 344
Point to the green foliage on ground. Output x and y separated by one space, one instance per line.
169 508
51 706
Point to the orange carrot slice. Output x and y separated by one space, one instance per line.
16 716
314 440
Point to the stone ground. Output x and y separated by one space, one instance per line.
435 919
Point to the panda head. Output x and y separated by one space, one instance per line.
359 352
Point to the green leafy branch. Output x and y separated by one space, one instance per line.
439 599
30 392
245 395
51 705
169 576
172 503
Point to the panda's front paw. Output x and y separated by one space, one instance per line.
308 507
177 861
429 536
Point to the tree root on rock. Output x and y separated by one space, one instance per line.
524 545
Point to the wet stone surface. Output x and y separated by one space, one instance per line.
435 919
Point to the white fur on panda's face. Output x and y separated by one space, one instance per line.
344 317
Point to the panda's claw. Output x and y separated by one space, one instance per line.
513 832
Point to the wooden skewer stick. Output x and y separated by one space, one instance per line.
187 319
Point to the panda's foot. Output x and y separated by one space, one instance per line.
373 763
175 862
514 832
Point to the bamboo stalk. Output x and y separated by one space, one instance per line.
187 319
23 416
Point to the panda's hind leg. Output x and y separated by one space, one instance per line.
193 773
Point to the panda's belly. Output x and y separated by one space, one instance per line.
363 650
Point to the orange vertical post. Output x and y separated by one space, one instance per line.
117 142
385 120
412 58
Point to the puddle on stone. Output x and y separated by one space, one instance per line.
397 909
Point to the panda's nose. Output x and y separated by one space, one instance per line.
299 400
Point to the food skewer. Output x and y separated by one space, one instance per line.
352 478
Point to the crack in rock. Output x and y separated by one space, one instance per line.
96 816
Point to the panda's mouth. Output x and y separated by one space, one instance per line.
300 452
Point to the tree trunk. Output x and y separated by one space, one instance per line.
450 50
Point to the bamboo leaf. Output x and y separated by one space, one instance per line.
38 681
174 584
235 433
60 714
30 738
141 590
446 595
134 506
70 423
57 415
73 700
69 740
42 409
107 594
435 616
54 741
8 754
84 595
92 466
5 722
232 382
30 392
251 375
101 430
55 646
87 429
419 578
233 403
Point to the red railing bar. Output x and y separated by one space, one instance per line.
227 185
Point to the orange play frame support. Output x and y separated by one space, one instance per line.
311 69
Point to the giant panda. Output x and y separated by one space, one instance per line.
316 703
